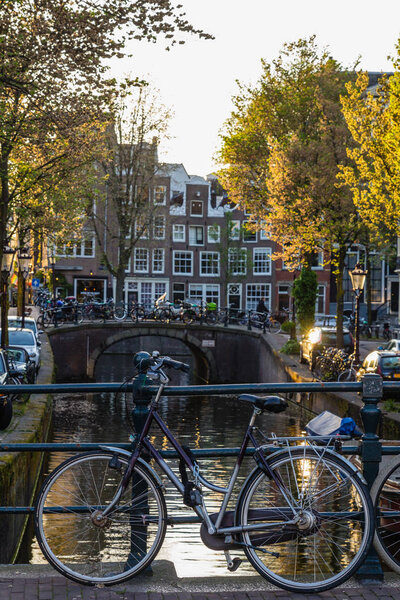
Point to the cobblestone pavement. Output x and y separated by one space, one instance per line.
58 588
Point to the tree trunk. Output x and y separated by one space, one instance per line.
120 284
340 297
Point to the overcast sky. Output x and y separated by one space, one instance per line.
197 79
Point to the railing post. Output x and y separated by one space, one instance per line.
76 314
226 317
141 398
55 319
249 320
371 455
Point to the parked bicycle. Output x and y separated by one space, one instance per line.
264 319
349 373
387 332
303 517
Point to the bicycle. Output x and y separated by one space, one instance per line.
349 373
303 517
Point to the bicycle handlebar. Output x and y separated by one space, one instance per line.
175 364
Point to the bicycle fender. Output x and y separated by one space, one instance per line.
142 462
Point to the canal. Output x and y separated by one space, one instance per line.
199 422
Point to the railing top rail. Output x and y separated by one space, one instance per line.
196 390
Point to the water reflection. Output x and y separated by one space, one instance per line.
198 422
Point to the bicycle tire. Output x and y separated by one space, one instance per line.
119 312
386 499
274 326
137 314
188 317
327 537
116 550
347 375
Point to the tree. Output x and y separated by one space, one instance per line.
282 151
305 295
374 173
127 209
53 84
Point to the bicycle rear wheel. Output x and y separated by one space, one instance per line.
106 550
347 375
274 326
119 312
386 497
334 529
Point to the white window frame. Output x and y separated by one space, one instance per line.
230 252
176 238
266 293
323 296
204 288
235 231
145 233
162 236
77 247
202 256
215 236
160 190
320 259
162 258
267 252
244 231
135 263
174 255
195 243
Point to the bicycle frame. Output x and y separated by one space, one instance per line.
144 443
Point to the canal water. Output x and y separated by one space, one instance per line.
199 422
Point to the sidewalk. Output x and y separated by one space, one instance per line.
24 582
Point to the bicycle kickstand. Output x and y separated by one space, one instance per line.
232 563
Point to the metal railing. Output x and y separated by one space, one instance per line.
370 449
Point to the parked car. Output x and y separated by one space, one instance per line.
6 377
385 363
393 345
319 338
330 321
26 339
30 323
18 361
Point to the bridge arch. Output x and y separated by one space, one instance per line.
204 357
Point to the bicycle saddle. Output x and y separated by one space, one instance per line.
273 404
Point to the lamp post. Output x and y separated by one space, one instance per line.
357 277
52 264
6 264
24 260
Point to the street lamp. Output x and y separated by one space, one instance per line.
24 260
357 277
6 265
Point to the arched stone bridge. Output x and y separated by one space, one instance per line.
222 355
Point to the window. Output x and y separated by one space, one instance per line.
159 227
158 260
149 291
320 301
234 233
237 259
196 235
83 248
141 260
141 229
248 235
182 263
317 260
214 234
178 292
204 292
262 261
160 195
209 263
178 233
265 233
254 293
196 208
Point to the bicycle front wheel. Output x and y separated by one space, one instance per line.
347 375
274 326
119 312
82 545
386 498
329 517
